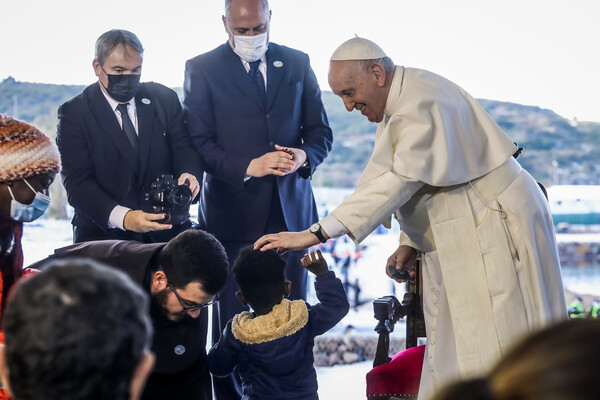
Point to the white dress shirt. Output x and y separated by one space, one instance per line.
117 215
262 67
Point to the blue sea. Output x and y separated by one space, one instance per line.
40 238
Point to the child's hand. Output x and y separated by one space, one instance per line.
315 264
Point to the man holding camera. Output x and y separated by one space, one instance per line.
118 137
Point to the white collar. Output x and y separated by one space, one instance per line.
391 102
247 64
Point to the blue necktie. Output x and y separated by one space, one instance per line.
128 127
258 79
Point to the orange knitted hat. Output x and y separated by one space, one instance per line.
25 151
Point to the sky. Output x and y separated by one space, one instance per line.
533 52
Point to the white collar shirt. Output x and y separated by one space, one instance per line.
131 110
262 67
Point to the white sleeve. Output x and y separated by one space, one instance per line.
373 203
332 227
116 217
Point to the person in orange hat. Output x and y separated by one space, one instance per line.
29 164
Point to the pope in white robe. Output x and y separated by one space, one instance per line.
480 223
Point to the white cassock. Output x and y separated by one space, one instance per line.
491 270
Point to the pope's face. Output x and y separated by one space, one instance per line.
246 18
358 89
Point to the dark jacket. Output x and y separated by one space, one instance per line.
229 124
274 352
136 260
11 259
99 169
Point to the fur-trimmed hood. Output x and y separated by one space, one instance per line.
286 318
273 353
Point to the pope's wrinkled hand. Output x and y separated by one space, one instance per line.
284 241
403 258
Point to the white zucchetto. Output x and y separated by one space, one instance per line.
357 48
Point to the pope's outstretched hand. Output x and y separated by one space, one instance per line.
284 241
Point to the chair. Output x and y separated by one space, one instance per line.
398 377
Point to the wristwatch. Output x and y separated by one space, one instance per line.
315 229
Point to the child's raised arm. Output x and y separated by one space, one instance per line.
315 263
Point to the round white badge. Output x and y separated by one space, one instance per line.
179 349
277 64
146 101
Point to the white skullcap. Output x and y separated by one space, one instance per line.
357 49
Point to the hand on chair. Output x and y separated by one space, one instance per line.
402 259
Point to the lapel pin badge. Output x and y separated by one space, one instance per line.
146 101
277 64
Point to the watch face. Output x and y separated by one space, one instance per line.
315 228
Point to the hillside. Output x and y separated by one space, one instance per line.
557 150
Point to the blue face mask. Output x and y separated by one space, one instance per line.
29 212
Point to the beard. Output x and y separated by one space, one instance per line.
158 302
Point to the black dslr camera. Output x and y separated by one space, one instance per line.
166 196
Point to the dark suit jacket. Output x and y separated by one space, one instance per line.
99 171
230 125
136 260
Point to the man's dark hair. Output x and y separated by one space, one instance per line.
107 42
75 331
195 255
260 276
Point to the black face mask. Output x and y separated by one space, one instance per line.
123 88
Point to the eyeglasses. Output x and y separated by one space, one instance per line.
194 306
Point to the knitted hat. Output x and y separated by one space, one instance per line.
25 151
357 48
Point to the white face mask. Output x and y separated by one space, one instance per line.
251 48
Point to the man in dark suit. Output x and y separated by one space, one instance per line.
115 139
181 277
255 114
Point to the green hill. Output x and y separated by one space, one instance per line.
557 150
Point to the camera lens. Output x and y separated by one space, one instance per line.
180 196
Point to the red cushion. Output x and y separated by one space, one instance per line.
399 377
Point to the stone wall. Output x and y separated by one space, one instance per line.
336 349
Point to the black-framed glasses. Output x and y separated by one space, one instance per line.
183 302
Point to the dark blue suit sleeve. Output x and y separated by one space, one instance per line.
78 172
332 306
316 134
201 125
223 356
